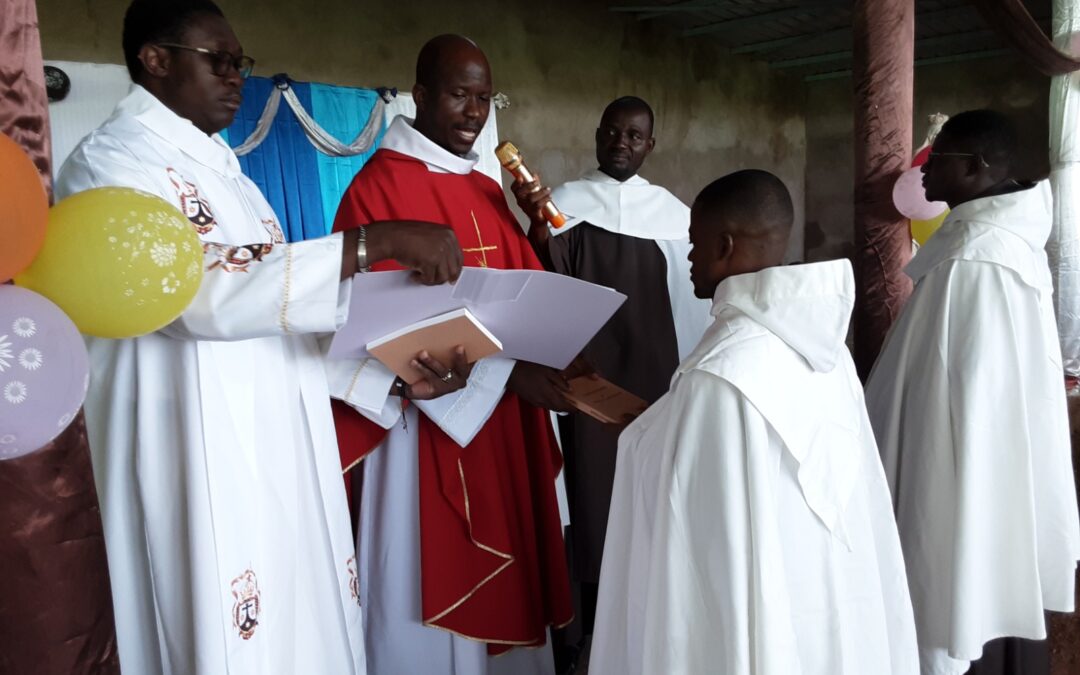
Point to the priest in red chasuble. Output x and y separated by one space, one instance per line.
460 549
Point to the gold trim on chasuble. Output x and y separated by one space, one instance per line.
506 556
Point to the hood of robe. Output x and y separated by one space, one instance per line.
807 306
1008 230
809 392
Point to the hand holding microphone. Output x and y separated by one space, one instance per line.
528 196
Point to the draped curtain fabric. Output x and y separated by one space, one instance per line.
1011 20
24 111
56 613
283 165
299 163
883 70
1063 247
1013 23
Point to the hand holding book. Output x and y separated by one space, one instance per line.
436 379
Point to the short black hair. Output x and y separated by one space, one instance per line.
429 61
631 103
159 21
987 132
755 202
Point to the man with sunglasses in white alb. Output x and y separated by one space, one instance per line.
216 463
967 401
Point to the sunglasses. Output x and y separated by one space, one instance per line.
935 155
220 62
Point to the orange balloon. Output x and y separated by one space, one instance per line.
24 209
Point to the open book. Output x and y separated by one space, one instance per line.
438 336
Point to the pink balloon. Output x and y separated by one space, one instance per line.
910 198
44 371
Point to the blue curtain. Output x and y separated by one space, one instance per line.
302 185
343 112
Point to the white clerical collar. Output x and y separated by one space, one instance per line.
211 151
598 176
402 137
633 207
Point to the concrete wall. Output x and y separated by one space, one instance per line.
1004 84
559 63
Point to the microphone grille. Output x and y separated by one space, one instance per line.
507 153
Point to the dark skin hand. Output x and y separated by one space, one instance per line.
430 250
531 198
546 387
433 384
539 385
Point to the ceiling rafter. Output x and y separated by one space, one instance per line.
802 8
923 43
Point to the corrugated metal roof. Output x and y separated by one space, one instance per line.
812 38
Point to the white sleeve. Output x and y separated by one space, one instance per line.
462 414
363 384
286 289
250 291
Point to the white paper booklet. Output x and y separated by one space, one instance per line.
537 316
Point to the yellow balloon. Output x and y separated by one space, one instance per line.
119 262
922 229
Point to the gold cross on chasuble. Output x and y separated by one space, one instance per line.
481 249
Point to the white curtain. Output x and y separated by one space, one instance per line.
1063 248
96 88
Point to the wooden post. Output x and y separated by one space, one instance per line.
882 74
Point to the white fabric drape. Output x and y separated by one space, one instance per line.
323 141
1063 247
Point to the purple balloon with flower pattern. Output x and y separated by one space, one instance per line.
44 371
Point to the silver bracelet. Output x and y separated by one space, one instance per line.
361 251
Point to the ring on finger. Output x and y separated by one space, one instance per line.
448 376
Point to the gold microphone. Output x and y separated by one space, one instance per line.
511 159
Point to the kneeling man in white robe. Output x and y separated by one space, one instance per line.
750 530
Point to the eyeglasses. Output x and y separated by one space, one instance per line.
935 155
220 62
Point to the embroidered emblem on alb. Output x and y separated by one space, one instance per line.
194 206
274 230
237 258
245 590
354 579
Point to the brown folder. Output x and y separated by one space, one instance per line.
604 401
438 336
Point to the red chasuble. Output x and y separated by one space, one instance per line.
493 566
